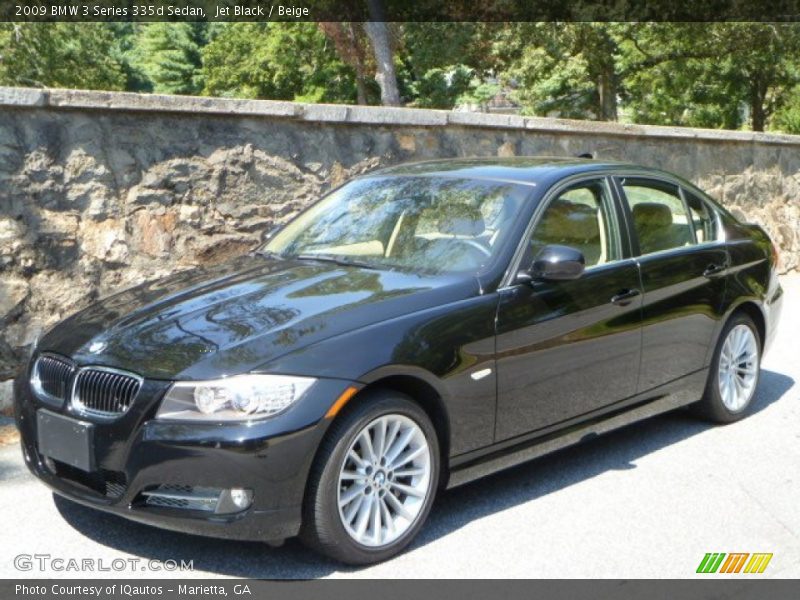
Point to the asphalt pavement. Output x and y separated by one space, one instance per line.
646 501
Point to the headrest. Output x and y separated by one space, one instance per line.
460 219
652 214
568 221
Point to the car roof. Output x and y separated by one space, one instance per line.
522 169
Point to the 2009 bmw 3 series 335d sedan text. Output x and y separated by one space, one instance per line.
417 328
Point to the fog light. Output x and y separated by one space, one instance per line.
241 498
234 500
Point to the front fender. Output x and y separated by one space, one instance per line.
443 346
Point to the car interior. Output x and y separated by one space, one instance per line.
575 218
659 217
455 233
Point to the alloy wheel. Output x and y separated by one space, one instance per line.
384 481
738 368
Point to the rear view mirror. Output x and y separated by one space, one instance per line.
555 263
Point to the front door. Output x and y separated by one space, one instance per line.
567 348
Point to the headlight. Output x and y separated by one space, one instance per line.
239 398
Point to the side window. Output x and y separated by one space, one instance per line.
659 215
580 217
704 220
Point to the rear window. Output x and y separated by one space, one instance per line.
660 216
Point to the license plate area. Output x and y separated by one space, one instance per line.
65 439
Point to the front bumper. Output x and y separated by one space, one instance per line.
135 453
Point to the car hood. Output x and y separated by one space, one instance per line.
236 317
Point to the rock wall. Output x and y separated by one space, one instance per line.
99 191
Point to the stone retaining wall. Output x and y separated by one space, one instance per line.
99 191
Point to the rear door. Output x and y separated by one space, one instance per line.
683 268
567 348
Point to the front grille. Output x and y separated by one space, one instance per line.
100 391
111 484
51 378
105 392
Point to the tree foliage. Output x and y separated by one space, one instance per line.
561 69
443 65
352 45
710 74
68 55
169 56
283 61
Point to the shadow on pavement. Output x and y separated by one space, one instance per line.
454 508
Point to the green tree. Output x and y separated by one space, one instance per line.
123 52
442 64
63 55
787 117
284 61
441 87
566 69
426 46
709 74
169 56
352 46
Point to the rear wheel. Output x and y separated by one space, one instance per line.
373 482
734 373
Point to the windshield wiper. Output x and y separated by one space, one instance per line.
333 258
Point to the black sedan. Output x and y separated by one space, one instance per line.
417 328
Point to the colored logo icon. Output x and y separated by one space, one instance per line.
736 562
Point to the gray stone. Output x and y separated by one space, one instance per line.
383 115
470 119
6 395
22 97
13 291
127 101
11 229
325 112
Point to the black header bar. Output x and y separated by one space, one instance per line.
399 10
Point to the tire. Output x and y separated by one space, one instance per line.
717 404
336 532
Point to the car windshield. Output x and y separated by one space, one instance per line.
432 224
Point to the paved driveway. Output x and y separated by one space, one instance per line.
647 501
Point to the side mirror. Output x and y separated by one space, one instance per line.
555 263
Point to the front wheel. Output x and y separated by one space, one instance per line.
734 372
373 482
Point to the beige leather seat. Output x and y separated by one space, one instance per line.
655 227
570 224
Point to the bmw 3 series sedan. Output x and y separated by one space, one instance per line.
416 329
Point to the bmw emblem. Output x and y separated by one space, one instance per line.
97 347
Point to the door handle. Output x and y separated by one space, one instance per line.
625 297
713 270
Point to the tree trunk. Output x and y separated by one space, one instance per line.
361 89
607 92
361 79
758 115
378 33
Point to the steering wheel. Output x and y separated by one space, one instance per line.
475 244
